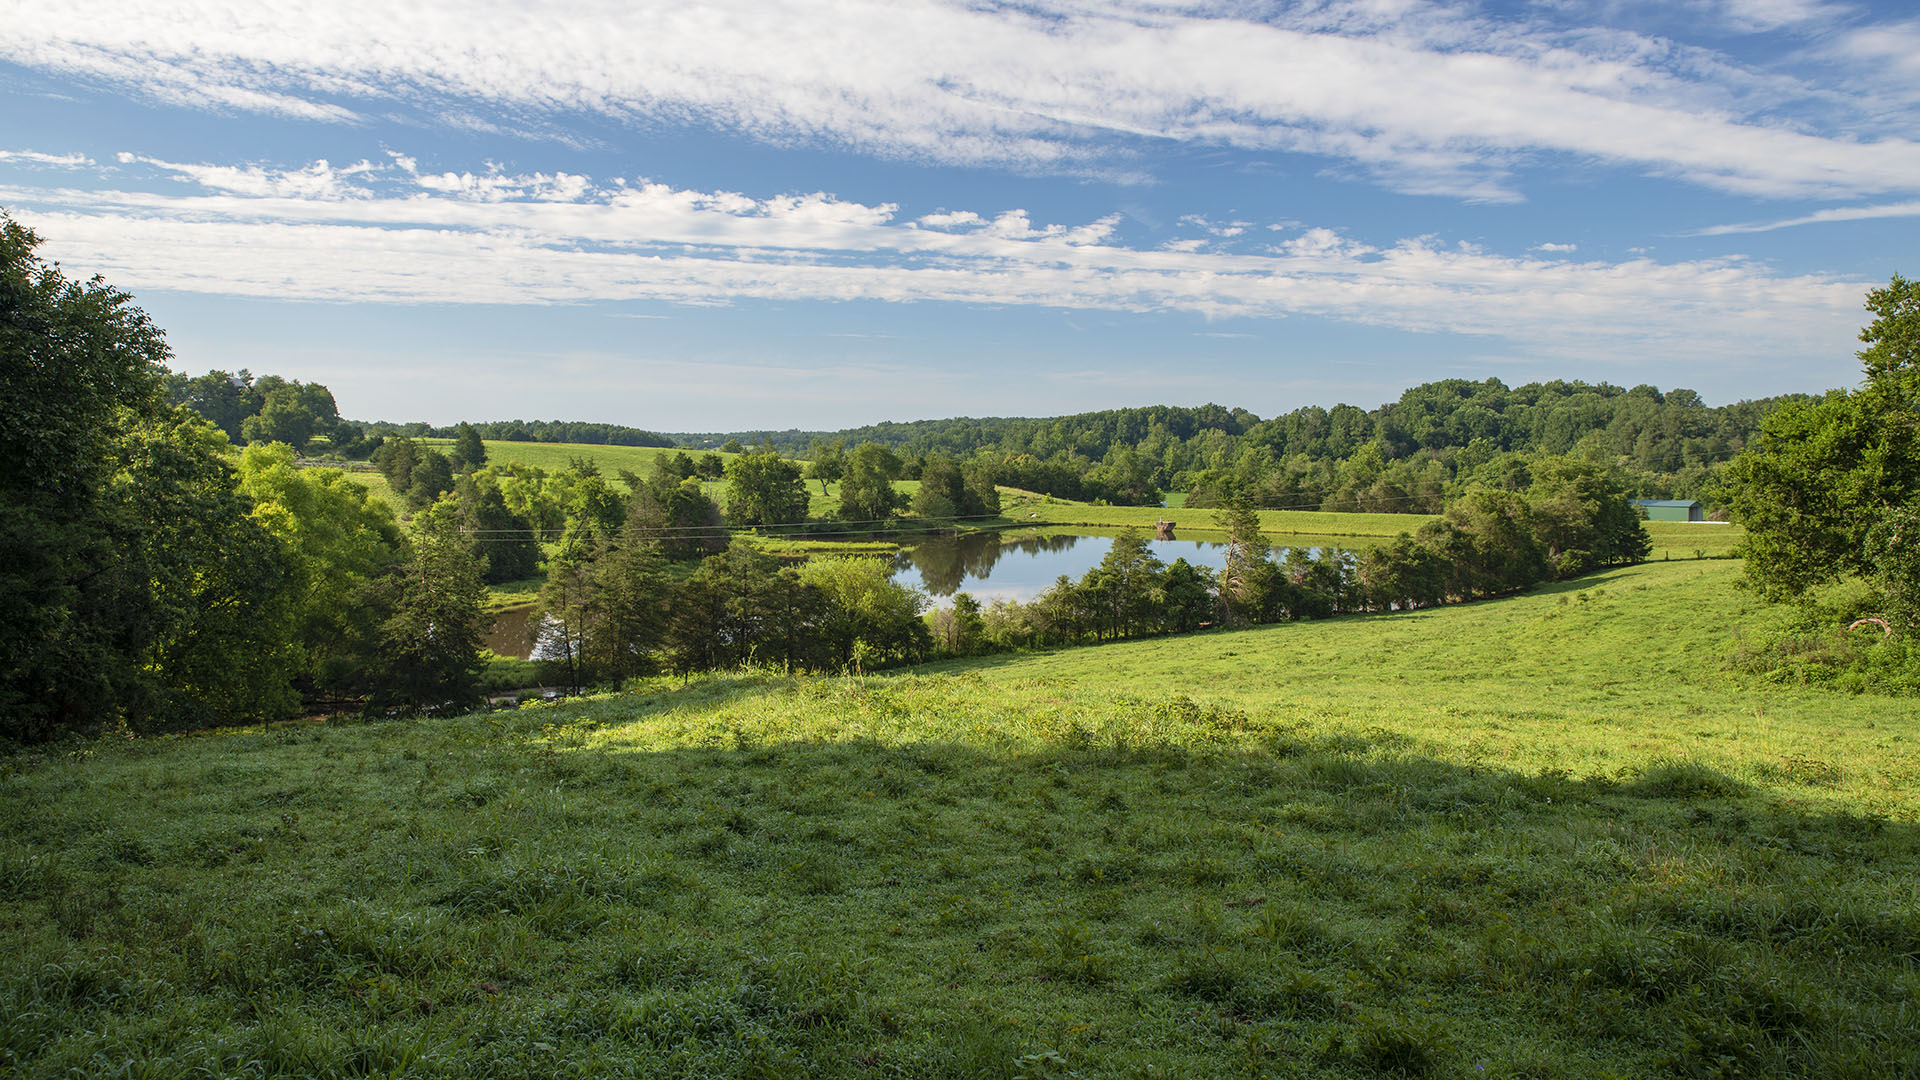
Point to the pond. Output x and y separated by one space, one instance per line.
992 566
516 633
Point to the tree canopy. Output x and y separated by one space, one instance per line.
1824 490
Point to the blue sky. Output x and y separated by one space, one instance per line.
693 217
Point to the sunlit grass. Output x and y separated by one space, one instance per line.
1546 836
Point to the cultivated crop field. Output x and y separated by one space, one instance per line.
1550 836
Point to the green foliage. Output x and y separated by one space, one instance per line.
867 620
504 540
828 462
867 496
1804 491
209 594
1832 488
290 412
431 641
958 628
267 409
469 451
1893 560
607 615
765 489
595 513
396 459
584 433
677 513
1405 456
341 544
138 588
431 477
949 491
1247 548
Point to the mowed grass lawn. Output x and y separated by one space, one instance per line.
1540 837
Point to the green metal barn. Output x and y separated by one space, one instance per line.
1670 509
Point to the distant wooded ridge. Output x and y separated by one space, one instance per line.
541 431
1659 430
1399 456
1551 417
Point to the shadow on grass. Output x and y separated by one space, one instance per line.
508 895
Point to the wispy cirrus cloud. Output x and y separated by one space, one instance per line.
385 232
1818 217
1423 98
39 160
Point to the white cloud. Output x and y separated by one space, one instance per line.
1896 46
1556 248
951 219
383 234
317 181
1420 97
1819 217
56 161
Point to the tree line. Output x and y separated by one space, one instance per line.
154 581
535 431
269 408
1408 455
616 608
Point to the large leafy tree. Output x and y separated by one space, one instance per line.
1582 514
765 489
866 490
138 587
342 543
1824 474
869 619
210 598
431 641
80 368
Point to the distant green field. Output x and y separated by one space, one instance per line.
377 484
556 456
1549 836
1026 506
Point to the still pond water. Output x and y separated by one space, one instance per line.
988 566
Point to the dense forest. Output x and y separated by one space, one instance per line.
1407 455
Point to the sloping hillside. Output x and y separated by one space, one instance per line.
1547 836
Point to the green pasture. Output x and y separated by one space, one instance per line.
1688 540
556 456
1549 836
381 489
1041 510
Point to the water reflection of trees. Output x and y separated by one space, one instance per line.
945 562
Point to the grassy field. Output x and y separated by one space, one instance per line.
556 456
1539 837
1029 508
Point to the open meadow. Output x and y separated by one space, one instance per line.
556 456
1548 836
